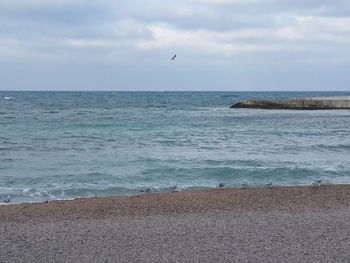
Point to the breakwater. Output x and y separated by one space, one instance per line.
317 103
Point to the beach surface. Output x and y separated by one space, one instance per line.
276 224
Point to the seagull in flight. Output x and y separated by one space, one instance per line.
173 58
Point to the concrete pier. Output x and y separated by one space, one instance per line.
317 103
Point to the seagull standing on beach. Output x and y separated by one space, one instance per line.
317 182
245 184
146 190
7 200
173 58
221 185
173 188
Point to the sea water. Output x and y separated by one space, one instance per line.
64 145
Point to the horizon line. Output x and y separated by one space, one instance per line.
174 91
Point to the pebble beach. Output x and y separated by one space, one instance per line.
267 224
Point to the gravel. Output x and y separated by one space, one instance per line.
275 224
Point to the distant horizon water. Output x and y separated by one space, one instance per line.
230 91
68 144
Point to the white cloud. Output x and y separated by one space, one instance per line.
231 2
316 34
87 43
305 34
31 4
224 43
128 29
325 24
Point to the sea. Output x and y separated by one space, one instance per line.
66 145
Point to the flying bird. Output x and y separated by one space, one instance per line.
173 58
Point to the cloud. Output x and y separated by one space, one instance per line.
301 34
231 2
12 49
36 4
205 28
304 34
208 36
84 43
325 24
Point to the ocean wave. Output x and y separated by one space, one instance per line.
120 147
9 98
332 148
40 195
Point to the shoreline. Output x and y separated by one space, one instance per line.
270 224
291 198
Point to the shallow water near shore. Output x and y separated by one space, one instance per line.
63 145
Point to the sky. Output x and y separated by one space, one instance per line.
229 45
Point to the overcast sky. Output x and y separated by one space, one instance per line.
220 45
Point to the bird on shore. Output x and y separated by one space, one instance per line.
7 200
269 184
146 190
173 187
221 185
317 182
245 184
173 58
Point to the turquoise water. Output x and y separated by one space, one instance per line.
63 145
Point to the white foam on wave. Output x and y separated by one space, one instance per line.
48 194
9 98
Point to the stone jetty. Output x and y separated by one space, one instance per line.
316 103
